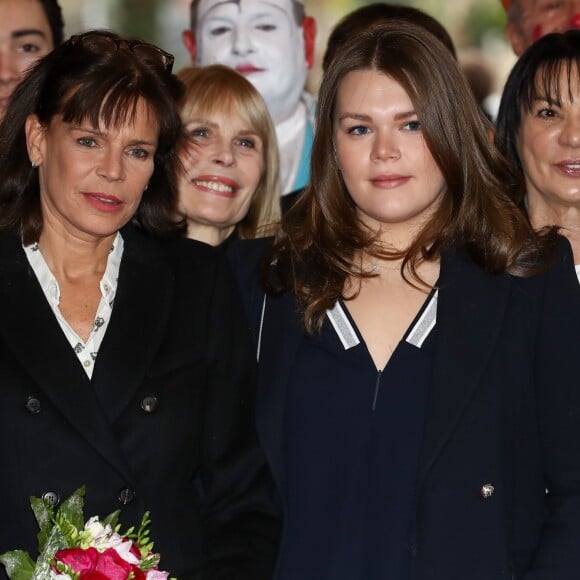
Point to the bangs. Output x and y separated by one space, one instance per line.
112 102
204 101
553 80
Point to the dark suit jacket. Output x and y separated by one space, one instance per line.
504 410
165 424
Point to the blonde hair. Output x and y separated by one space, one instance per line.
218 88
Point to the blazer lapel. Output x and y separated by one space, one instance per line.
136 328
30 331
281 334
470 310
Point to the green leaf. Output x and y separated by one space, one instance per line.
19 565
56 542
72 508
44 516
112 519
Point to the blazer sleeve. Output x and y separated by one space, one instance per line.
240 507
558 397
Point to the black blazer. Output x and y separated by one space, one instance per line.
165 424
499 479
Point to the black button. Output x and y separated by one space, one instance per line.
51 498
126 495
33 405
149 403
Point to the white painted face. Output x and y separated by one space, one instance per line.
261 40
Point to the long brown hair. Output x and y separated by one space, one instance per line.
321 237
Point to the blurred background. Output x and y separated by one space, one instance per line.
476 27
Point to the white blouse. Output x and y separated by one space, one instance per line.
85 351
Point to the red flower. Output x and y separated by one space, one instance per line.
138 574
92 575
112 566
79 560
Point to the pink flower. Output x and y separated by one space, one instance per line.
112 566
157 575
79 560
92 575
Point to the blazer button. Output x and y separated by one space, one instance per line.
149 403
126 495
51 498
486 491
32 405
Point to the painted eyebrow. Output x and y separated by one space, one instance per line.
27 32
367 118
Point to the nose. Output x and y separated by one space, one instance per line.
242 41
222 154
8 71
112 166
385 147
570 135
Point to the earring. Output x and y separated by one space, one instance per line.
33 163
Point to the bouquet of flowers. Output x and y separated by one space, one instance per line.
71 549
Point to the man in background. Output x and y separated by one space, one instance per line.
29 29
528 20
270 42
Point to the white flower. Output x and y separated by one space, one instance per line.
99 536
157 575
124 551
57 576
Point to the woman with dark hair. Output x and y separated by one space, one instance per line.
29 29
417 342
123 355
538 127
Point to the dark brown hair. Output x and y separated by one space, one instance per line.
315 253
536 75
370 15
53 13
96 76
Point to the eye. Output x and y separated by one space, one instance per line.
247 142
139 153
358 130
266 27
29 48
412 126
87 142
546 113
198 132
220 30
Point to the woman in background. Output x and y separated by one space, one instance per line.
417 343
123 355
538 127
228 177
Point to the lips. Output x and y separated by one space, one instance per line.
570 167
247 68
389 181
217 184
103 201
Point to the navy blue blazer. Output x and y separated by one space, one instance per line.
166 423
499 480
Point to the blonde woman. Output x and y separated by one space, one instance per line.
229 169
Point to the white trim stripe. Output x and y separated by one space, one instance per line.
425 324
342 326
